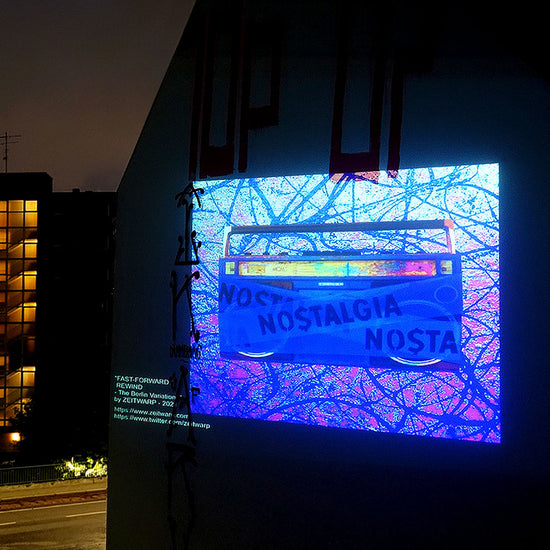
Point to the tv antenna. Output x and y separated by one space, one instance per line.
5 140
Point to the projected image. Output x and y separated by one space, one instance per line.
341 306
364 301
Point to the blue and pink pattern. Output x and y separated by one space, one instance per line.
462 404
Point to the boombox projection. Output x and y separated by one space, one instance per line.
366 301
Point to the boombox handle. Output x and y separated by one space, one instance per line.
447 225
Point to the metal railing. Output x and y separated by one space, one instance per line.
23 475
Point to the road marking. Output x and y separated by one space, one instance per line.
36 507
8 523
86 514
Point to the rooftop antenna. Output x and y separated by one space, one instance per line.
7 139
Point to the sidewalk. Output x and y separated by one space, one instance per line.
43 493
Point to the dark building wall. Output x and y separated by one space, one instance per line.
75 323
468 95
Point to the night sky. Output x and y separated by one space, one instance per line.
78 79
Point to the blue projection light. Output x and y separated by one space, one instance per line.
365 301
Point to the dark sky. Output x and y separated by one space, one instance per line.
77 80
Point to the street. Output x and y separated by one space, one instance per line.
72 526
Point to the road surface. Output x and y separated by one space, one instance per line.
66 526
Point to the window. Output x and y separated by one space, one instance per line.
18 273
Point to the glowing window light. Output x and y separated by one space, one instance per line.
16 206
25 280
